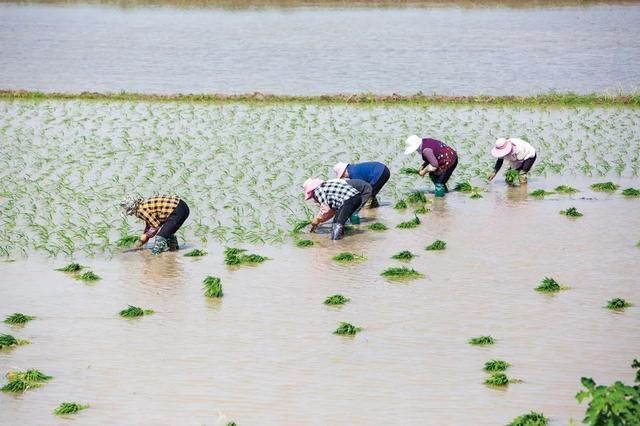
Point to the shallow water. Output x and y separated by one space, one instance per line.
308 51
265 353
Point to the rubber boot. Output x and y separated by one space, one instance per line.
172 243
522 178
374 203
337 231
440 191
355 219
159 245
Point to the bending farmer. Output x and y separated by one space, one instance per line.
374 173
336 198
521 156
162 216
440 160
365 191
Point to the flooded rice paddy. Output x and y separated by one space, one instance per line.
265 353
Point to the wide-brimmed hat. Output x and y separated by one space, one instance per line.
503 147
339 169
412 144
309 185
130 204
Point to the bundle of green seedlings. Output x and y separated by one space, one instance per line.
336 299
421 210
196 253
564 189
18 318
88 276
497 379
549 285
408 171
530 419
618 304
212 287
22 381
403 255
605 187
299 226
482 341
416 197
236 256
67 408
346 329
495 365
72 267
400 205
475 195
436 245
401 273
409 224
127 241
135 311
540 193
377 226
512 177
347 256
465 187
304 243
8 341
631 192
571 212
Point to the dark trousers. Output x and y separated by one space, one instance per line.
444 176
175 220
347 209
384 177
526 166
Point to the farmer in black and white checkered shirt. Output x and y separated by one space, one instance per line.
336 198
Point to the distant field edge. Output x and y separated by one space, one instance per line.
550 99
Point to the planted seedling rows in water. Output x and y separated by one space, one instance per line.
400 205
8 341
540 193
564 189
530 419
605 187
377 227
127 241
336 299
236 256
482 341
436 245
618 304
134 312
304 243
196 253
631 192
72 267
403 255
409 224
18 318
512 177
401 273
571 212
67 408
496 365
346 329
212 287
549 285
347 256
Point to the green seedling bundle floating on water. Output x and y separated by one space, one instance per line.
67 408
618 304
436 245
196 253
377 227
336 299
304 243
512 177
549 285
88 276
497 379
409 224
421 210
400 205
482 341
466 187
236 256
347 256
564 189
346 329
8 341
18 318
72 267
605 187
403 255
530 419
571 212
540 193
416 197
22 381
496 365
299 226
134 312
631 192
212 287
475 195
403 273
127 241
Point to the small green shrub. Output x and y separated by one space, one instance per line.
88 276
481 341
571 212
496 365
336 299
403 255
436 245
135 311
416 197
18 318
69 408
346 329
347 256
195 253
497 379
400 205
618 304
564 189
605 187
531 419
549 285
631 192
72 267
212 287
409 224
540 193
127 241
401 273
512 177
304 243
377 227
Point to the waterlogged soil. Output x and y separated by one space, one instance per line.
265 353
452 50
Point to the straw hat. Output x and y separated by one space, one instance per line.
339 169
309 185
503 147
412 144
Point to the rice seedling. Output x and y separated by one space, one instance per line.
475 195
530 419
512 177
497 379
212 287
409 224
8 341
408 171
18 386
631 192
571 212
88 276
347 256
416 197
377 226
540 193
421 210
195 253
605 187
304 243
231 424
496 365
465 187
29 376
401 273
618 304
134 312
346 329
336 299
549 285
436 245
127 241
564 189
72 267
400 205
299 226
252 258
18 318
67 408
403 255
236 256
482 341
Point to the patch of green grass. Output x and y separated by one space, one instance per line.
482 341
409 224
549 285
346 329
401 273
631 192
403 255
540 193
618 304
512 177
18 318
475 195
408 171
299 226
564 189
377 227
436 245
304 243
400 205
88 276
347 256
69 408
496 365
497 379
72 267
416 197
135 311
127 241
605 187
212 287
336 299
196 253
571 212
530 419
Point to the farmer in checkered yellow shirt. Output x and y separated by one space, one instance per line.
162 215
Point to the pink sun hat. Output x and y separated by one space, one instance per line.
309 185
339 169
503 147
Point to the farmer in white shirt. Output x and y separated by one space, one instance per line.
521 156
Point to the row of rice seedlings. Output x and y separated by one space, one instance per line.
67 408
402 273
336 299
8 341
212 287
346 329
18 318
195 253
409 224
549 285
135 311
23 381
436 246
571 212
236 256
348 257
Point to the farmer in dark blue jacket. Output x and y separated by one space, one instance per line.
374 173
